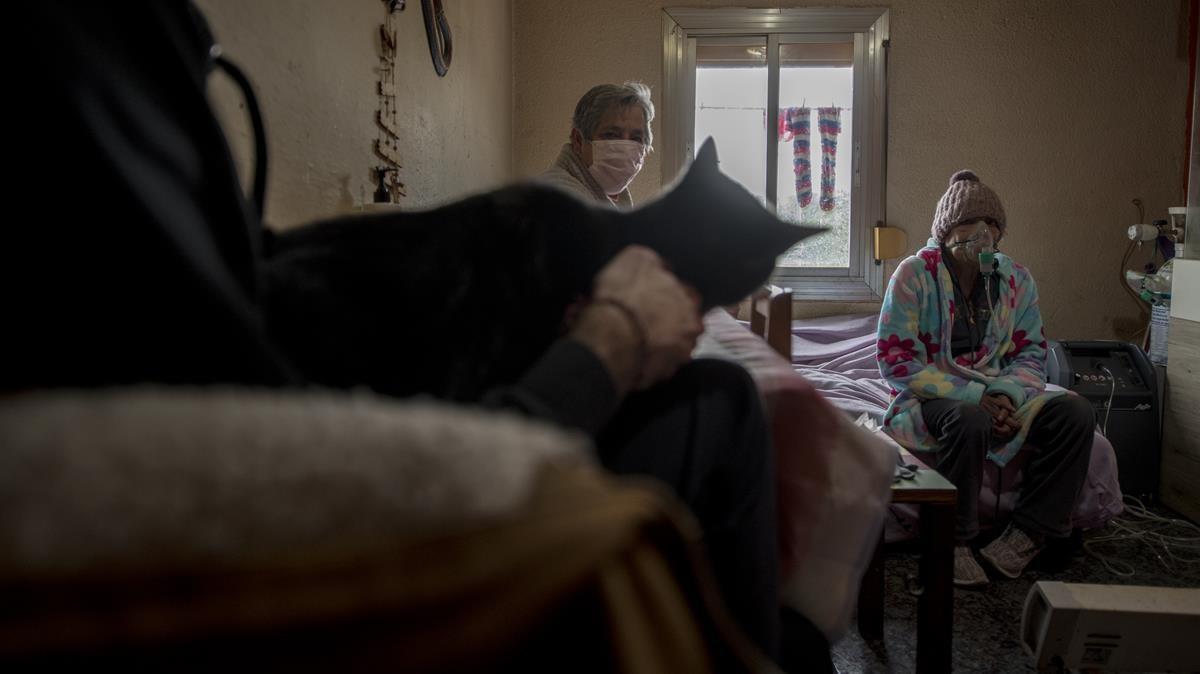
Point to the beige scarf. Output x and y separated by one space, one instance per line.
570 162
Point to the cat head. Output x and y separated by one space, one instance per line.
714 234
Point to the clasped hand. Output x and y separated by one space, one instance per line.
1005 422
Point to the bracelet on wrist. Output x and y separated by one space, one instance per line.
639 333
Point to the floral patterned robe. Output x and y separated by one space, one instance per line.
914 324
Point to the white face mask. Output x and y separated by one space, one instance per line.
615 163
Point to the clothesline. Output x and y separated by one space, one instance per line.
759 108
795 126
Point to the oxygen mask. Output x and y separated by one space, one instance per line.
979 245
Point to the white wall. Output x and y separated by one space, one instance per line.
1068 108
312 63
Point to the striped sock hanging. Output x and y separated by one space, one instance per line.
829 123
801 164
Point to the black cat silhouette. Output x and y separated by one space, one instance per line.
458 299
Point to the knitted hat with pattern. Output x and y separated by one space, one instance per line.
966 200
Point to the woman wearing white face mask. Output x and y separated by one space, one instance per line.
610 136
960 341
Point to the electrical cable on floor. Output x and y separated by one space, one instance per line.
1156 532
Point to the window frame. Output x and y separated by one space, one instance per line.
863 280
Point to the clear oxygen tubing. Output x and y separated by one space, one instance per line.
1174 543
983 246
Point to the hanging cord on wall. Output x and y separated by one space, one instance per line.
437 30
1160 534
256 120
1143 312
1129 250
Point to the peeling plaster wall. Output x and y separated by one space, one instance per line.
313 64
1069 109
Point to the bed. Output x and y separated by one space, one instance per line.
833 478
835 355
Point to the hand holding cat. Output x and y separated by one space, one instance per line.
642 321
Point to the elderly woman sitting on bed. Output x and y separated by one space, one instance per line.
961 343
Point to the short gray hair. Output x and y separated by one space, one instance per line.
604 97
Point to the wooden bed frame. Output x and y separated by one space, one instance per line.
771 318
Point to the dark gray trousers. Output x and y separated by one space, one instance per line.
1050 479
703 433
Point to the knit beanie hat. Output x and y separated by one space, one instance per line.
966 200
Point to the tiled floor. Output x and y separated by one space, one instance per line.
986 621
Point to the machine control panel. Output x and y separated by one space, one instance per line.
1100 370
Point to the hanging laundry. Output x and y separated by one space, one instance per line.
829 124
798 128
785 133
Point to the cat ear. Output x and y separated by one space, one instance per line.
706 159
702 171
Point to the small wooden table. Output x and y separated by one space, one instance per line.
935 608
